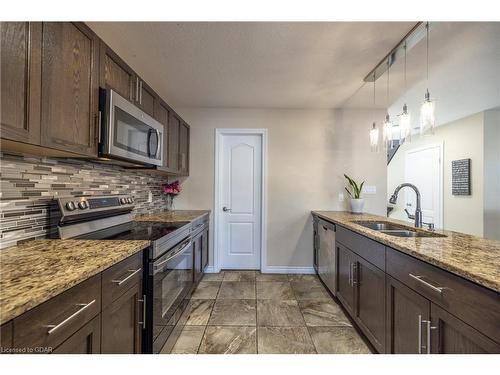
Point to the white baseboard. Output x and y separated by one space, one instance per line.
210 269
286 269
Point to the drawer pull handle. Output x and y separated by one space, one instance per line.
421 280
54 327
134 272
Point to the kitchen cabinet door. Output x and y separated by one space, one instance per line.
114 73
121 323
407 314
345 288
146 99
69 95
327 262
204 250
369 298
162 116
87 340
184 149
6 336
315 243
450 335
20 81
197 253
174 125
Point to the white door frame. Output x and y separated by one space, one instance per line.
440 145
219 133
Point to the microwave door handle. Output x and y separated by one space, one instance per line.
157 143
150 131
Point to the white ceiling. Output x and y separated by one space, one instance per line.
255 64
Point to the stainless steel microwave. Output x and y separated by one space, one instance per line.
128 133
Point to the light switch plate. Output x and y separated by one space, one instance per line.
150 197
370 189
341 197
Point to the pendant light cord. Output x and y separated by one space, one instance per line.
387 94
427 30
406 47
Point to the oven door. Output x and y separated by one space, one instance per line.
172 281
128 132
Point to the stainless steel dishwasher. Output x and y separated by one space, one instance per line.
327 255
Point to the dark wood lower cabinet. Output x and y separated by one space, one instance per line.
6 336
345 289
406 313
204 250
369 306
197 253
450 335
87 340
121 328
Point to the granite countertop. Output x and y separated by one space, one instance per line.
174 216
36 271
473 258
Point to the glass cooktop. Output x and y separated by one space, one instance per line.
135 230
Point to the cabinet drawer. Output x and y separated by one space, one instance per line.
475 305
87 340
51 323
117 279
326 224
370 250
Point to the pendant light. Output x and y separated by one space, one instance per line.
427 110
404 117
387 125
374 133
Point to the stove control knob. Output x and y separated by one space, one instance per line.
83 205
123 200
70 206
129 200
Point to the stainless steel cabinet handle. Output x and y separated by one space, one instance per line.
421 280
420 334
143 300
136 89
54 327
350 274
99 124
140 92
429 328
134 272
225 209
355 273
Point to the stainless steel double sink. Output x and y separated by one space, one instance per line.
396 230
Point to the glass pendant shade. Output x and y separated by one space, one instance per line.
374 138
405 124
427 115
387 132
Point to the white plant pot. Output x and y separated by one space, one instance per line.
357 206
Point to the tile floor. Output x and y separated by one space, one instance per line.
250 312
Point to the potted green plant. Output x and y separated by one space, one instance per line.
357 202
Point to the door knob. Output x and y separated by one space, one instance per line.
225 209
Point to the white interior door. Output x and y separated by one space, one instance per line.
240 201
423 168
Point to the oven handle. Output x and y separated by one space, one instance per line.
183 246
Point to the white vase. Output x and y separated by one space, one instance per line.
357 206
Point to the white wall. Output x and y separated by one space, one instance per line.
461 139
308 152
492 174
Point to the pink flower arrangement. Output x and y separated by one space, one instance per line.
172 189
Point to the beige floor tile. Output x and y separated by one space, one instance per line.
239 276
229 340
303 277
198 311
323 313
337 340
271 277
237 290
309 290
213 276
284 340
275 313
234 312
206 290
189 340
275 290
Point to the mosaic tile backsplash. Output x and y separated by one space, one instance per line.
30 184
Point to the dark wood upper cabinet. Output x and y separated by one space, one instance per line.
114 73
184 149
369 306
146 98
174 125
87 340
407 313
450 335
69 95
20 81
121 329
